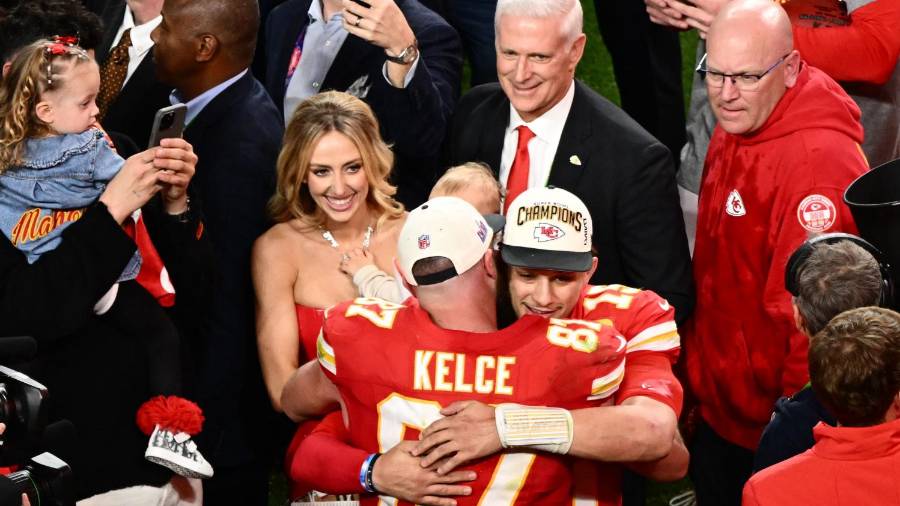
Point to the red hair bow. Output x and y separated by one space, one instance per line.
57 49
68 40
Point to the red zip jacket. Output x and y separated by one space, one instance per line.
761 196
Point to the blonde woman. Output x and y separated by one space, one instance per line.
332 197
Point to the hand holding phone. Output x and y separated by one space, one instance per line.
168 123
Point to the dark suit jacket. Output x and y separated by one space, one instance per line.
236 137
131 113
413 119
626 179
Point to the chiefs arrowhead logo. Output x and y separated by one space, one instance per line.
544 232
734 206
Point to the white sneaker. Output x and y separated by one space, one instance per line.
178 452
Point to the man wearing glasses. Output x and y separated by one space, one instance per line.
785 148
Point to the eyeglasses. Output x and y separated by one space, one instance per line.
743 81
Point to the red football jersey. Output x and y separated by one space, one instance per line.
395 369
647 322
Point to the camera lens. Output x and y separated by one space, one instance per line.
166 121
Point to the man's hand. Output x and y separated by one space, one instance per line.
467 432
398 474
177 163
661 14
699 15
381 23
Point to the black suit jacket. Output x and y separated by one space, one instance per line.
236 137
626 178
413 119
132 112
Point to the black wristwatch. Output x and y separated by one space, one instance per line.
406 56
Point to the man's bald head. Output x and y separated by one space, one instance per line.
200 44
750 42
234 23
761 22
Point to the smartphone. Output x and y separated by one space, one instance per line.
168 123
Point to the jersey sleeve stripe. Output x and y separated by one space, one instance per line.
664 342
666 331
325 354
607 385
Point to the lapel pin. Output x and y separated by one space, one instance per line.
574 160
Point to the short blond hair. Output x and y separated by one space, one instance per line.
470 175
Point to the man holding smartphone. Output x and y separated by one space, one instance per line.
204 50
398 56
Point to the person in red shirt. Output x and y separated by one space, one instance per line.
854 364
786 146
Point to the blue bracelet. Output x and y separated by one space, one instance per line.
365 473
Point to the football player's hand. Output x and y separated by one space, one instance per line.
398 474
467 432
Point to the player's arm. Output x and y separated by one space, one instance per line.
276 321
308 393
672 467
327 461
641 429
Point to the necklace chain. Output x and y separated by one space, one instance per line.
328 236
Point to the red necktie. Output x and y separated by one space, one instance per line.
517 182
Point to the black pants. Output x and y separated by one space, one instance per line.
646 61
140 317
718 468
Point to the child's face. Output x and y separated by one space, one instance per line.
72 108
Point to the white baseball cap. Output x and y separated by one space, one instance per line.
548 228
443 227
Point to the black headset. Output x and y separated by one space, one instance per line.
802 254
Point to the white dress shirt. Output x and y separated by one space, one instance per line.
547 130
141 43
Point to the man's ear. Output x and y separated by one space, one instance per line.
791 68
593 269
893 411
577 51
798 318
490 266
410 288
207 47
44 112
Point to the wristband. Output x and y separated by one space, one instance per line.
365 473
535 427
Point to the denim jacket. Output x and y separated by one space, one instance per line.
58 177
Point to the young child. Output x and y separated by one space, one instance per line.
54 162
472 182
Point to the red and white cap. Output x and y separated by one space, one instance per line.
446 227
548 228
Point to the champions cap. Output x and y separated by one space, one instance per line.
443 227
548 228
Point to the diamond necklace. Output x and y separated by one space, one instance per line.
334 244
